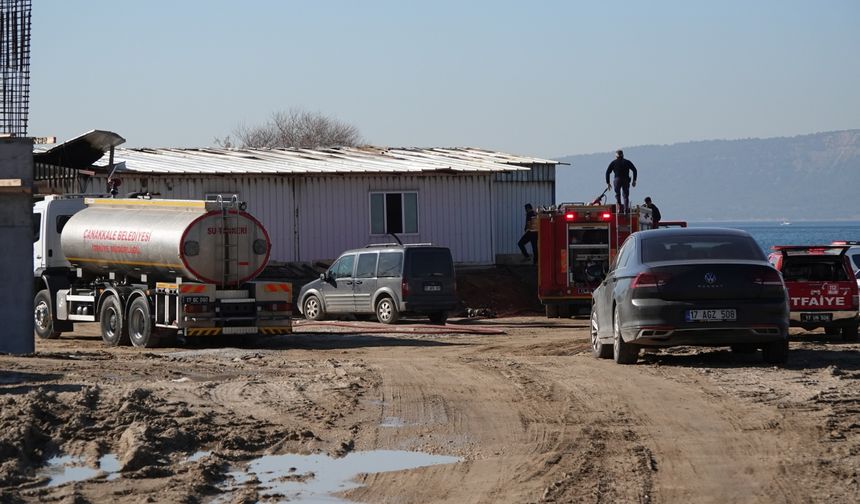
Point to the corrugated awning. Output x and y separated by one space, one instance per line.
80 152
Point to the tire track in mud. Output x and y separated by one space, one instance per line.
588 455
524 438
813 405
704 445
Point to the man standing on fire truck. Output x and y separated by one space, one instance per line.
621 169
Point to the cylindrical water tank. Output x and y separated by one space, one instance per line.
165 239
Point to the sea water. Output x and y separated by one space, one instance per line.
768 234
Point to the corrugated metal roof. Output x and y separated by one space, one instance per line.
323 161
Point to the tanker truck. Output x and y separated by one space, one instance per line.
146 269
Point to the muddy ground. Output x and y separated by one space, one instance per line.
531 415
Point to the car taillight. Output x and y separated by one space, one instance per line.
768 277
648 279
404 288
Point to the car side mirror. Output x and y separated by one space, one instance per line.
324 276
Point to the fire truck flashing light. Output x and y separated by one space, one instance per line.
571 216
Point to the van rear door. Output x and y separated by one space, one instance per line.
430 275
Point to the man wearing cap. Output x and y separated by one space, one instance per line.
621 169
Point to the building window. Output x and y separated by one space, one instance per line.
393 212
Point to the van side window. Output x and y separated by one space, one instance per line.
37 225
343 267
390 264
366 267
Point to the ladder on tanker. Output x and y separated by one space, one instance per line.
229 241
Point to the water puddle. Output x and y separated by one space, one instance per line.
198 455
110 464
314 478
392 421
68 468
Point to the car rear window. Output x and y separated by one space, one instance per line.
390 264
686 247
430 262
814 269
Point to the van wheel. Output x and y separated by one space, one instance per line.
438 317
313 308
622 352
849 333
140 325
114 331
43 316
386 311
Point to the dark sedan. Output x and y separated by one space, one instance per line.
690 286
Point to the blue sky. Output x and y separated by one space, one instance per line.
540 78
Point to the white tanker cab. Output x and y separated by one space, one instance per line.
147 268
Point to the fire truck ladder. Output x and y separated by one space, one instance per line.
619 222
229 247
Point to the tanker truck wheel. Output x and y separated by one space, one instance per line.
43 318
114 331
140 324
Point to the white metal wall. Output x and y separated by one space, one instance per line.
453 211
511 191
334 211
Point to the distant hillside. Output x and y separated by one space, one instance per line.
808 177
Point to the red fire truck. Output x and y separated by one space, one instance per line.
576 244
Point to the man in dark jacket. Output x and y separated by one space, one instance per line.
529 234
621 168
655 212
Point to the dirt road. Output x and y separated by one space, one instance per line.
531 416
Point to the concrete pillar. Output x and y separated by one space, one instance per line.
16 246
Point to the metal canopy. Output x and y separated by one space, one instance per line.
80 152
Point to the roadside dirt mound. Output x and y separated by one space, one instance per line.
503 290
